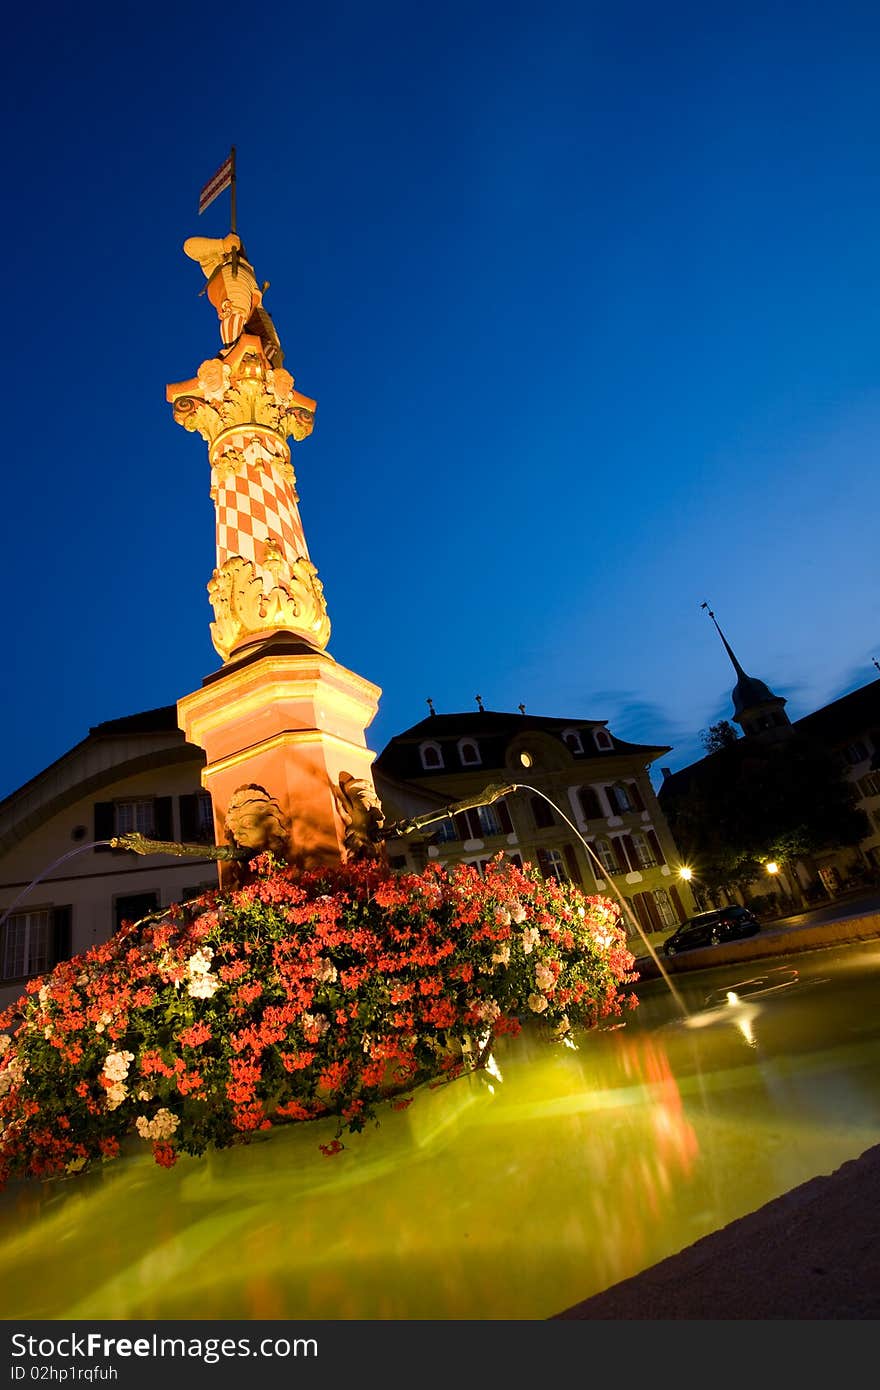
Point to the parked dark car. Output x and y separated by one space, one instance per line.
711 929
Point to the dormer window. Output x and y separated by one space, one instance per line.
469 753
431 756
602 740
572 740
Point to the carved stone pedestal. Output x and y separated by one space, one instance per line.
280 725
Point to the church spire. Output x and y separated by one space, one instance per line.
755 707
727 647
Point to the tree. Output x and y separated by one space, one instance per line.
752 801
718 736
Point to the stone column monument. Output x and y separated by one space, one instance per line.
281 722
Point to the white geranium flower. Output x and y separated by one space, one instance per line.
530 938
162 1125
200 962
203 986
116 1095
544 977
316 1021
486 1010
116 1065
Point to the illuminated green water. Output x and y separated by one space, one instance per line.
486 1198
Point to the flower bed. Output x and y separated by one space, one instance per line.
300 995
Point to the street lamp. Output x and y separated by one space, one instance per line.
685 873
771 866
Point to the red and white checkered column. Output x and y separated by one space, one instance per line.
256 505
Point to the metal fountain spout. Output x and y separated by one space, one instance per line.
409 825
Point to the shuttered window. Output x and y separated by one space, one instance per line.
149 816
623 863
552 865
196 818
659 856
590 803
543 813
605 854
33 942
133 907
571 861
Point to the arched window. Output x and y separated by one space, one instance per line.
602 739
620 797
642 850
572 740
591 806
658 856
431 755
469 752
665 910
606 856
542 812
552 865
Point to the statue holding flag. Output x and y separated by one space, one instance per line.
232 285
233 290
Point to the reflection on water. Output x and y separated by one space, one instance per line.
510 1194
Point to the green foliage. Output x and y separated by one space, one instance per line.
299 995
718 736
752 800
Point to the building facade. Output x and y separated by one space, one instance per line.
848 730
581 806
64 890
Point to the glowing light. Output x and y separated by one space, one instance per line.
732 997
771 866
525 758
493 1069
744 1024
685 873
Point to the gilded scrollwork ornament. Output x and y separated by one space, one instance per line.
250 604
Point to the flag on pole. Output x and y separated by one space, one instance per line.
216 184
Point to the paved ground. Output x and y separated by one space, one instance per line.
812 1254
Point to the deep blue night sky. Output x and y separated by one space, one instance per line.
589 299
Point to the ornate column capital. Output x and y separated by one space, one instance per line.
246 409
